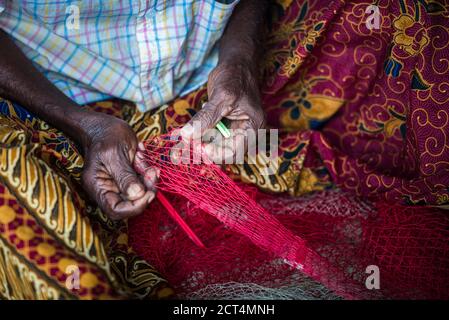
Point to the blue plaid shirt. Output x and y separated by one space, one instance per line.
146 51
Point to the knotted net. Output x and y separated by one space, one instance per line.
261 246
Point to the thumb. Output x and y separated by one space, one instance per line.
126 179
205 119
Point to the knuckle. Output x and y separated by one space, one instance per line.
204 117
208 115
253 123
125 177
260 123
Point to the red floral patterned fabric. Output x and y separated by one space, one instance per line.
368 107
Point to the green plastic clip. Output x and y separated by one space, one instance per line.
223 130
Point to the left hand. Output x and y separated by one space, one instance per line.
233 94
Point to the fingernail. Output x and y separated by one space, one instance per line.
134 190
152 174
141 146
139 164
138 155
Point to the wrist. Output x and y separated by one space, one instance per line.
96 127
246 51
248 68
82 125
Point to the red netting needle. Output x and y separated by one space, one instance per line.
175 215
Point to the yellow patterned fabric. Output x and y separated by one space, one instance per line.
48 230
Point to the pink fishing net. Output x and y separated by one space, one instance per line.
273 246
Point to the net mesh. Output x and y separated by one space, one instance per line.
261 246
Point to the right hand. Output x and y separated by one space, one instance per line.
110 148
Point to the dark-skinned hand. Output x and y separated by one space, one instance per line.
112 156
234 95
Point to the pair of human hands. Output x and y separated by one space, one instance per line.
115 174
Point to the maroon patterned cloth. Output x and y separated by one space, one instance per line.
380 97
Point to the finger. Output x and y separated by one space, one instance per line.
214 146
180 153
107 184
132 149
242 130
205 119
237 147
251 114
89 180
99 177
117 208
150 178
228 150
141 146
126 178
256 119
139 163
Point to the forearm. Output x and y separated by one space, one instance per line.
21 82
243 36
